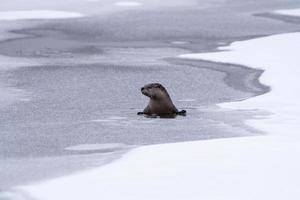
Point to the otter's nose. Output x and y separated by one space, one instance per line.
142 88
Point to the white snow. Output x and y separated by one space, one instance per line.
37 14
260 167
279 56
128 3
292 12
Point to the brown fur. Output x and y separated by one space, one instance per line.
160 102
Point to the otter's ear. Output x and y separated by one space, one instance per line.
161 87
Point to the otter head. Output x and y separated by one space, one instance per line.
155 91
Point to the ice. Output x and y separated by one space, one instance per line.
187 100
278 56
93 147
258 167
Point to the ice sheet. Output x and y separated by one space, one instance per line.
261 167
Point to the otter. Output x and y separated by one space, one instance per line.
160 102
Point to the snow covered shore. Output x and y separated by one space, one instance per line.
37 14
291 12
262 167
278 55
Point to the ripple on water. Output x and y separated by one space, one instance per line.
186 100
180 42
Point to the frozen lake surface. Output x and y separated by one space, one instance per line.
75 107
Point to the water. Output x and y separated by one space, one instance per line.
87 88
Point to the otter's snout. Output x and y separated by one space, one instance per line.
145 91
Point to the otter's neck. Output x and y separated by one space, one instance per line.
162 98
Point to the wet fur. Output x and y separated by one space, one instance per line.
160 102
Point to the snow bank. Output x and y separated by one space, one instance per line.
128 3
292 12
279 56
37 14
260 168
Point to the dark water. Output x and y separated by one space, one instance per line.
87 88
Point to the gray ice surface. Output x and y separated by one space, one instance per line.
87 88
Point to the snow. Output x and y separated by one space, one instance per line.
292 12
216 169
37 14
128 3
278 55
260 167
